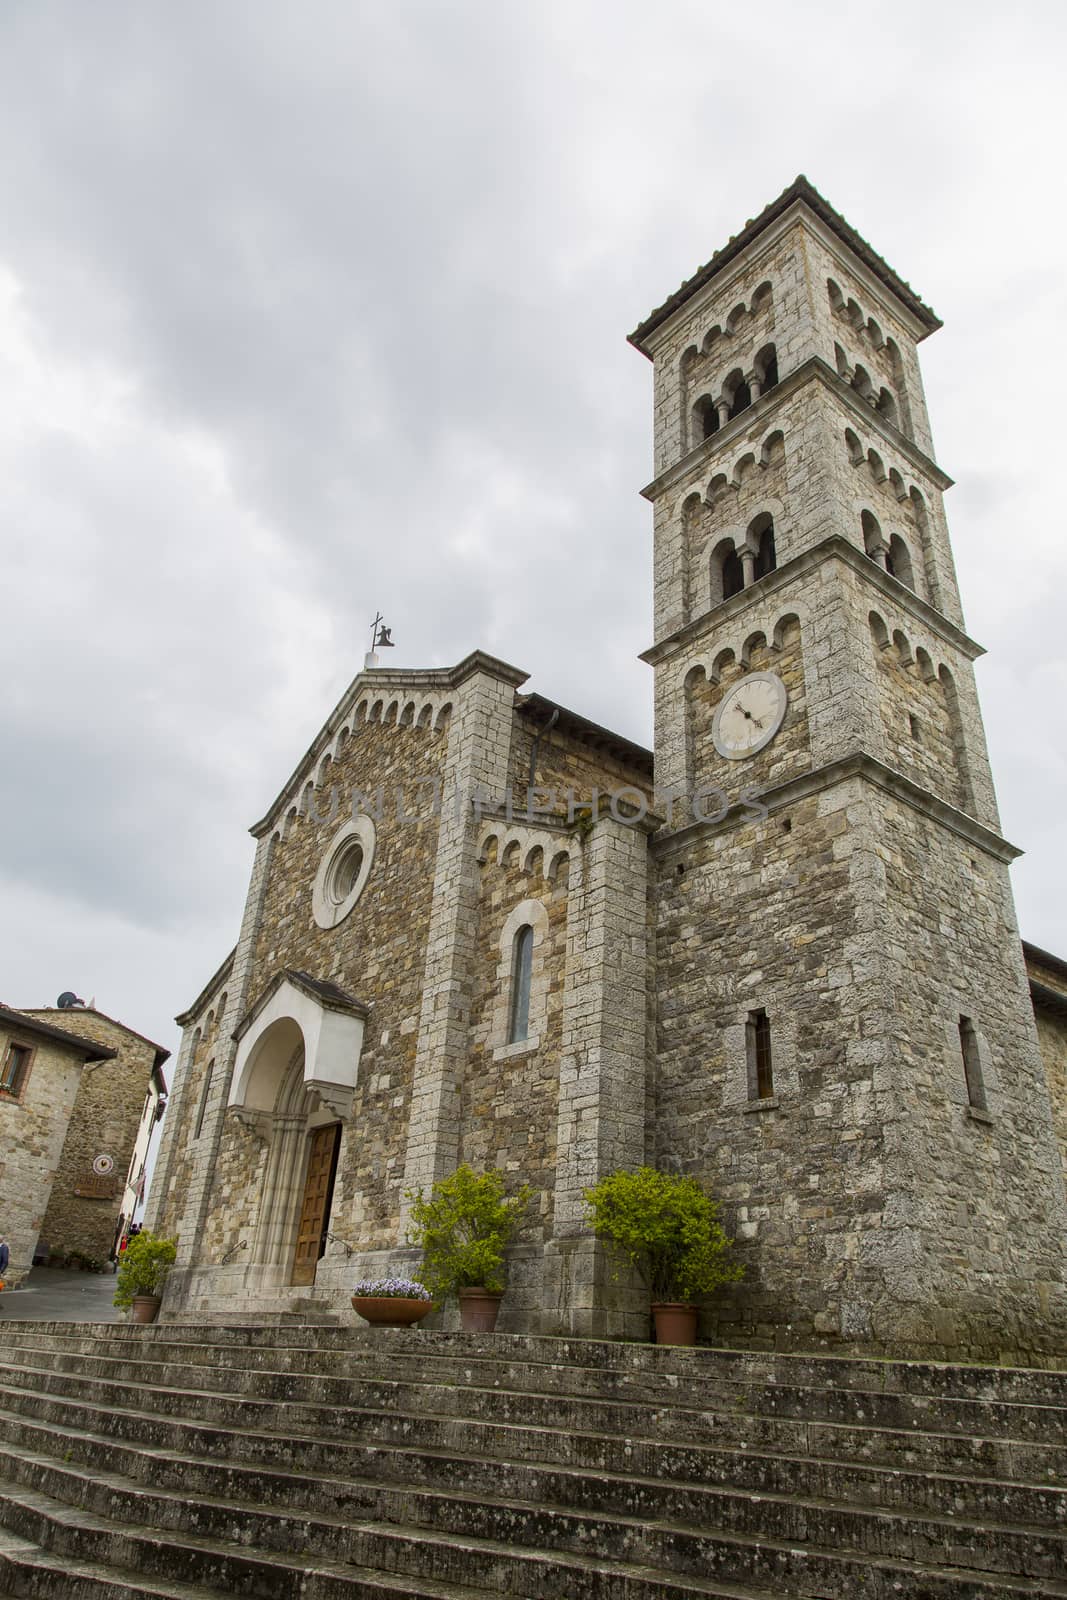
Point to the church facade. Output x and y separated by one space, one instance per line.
780 955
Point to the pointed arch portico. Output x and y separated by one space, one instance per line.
298 1009
295 1073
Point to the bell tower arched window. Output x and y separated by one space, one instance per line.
733 575
767 368
898 561
766 557
705 418
741 400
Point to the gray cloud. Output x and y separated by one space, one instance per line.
311 310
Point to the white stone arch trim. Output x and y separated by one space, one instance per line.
761 299
329 906
297 1008
893 478
534 914
529 842
739 649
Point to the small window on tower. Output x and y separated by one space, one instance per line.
972 1065
758 1048
916 727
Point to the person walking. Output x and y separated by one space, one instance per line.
5 1257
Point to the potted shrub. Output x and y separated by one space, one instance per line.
666 1227
145 1263
392 1302
463 1230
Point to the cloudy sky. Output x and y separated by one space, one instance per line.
311 309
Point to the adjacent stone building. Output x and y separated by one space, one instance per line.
41 1068
114 1106
781 956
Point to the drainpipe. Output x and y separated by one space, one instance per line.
535 747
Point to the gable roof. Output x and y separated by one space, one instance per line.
799 189
22 1022
162 1053
323 991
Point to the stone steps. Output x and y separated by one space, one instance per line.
552 1466
129 1526
178 1363
572 1502
583 1470
1006 1442
636 1363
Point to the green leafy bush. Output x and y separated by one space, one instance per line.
463 1229
145 1263
666 1227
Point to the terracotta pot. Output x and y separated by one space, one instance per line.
145 1307
390 1311
675 1323
478 1310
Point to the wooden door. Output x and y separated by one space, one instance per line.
315 1210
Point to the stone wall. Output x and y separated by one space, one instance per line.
509 1097
756 916
920 732
972 1250
32 1130
872 1205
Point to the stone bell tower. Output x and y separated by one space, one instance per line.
846 1048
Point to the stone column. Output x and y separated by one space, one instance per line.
602 1110
479 744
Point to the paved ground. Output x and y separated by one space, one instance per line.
52 1294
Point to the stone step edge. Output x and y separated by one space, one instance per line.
122 1484
116 1582
297 1406
16 1556
745 1386
58 1511
230 1463
527 1346
870 1397
609 1401
958 1478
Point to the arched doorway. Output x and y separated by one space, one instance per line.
293 1081
303 1144
320 1171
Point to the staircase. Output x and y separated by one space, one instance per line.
321 1462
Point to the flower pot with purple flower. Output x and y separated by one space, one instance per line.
392 1302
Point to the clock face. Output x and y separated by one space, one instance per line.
749 715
